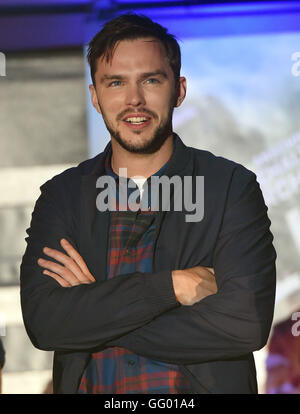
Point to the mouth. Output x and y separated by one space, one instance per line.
136 121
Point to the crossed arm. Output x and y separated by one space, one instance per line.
64 309
234 321
190 285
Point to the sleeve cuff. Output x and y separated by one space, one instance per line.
159 291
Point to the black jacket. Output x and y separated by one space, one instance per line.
211 341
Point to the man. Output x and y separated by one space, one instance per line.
144 300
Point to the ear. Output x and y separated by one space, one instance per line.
181 91
94 98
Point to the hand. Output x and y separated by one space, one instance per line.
74 272
193 284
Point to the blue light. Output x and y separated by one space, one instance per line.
221 19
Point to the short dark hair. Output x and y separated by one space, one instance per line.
130 26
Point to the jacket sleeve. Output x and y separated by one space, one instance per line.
85 316
237 319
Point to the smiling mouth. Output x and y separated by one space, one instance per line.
137 121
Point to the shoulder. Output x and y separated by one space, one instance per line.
227 179
219 166
71 177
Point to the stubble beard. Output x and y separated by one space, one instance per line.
150 146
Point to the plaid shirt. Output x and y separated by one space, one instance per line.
117 370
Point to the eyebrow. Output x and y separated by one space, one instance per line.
143 76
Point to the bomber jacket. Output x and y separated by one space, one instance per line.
211 341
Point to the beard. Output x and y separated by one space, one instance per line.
150 146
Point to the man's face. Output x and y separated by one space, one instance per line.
136 94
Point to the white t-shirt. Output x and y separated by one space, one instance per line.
139 182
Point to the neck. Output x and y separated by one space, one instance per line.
143 165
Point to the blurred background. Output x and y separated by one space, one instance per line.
242 64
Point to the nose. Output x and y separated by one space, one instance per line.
135 95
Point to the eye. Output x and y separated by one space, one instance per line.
152 80
115 83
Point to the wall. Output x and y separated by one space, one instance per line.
42 132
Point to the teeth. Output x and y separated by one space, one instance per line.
136 120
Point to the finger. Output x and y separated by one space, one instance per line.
205 269
77 258
72 252
59 279
67 261
61 271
